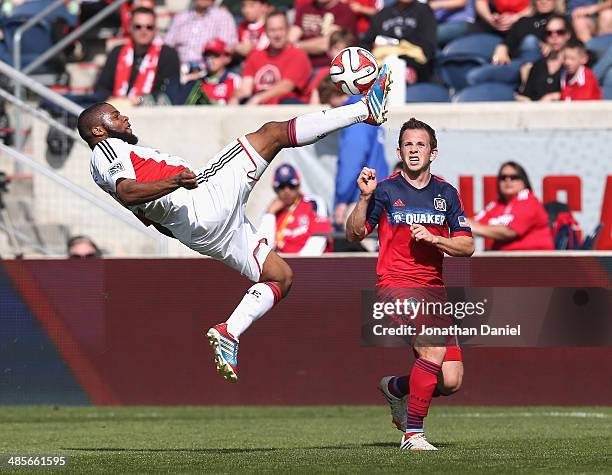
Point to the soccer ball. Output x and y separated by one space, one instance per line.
353 70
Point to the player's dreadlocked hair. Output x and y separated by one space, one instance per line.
89 118
417 124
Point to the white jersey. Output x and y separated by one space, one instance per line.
113 159
209 219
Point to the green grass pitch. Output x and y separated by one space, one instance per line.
346 439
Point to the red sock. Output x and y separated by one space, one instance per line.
423 380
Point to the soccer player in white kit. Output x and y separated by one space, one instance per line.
205 209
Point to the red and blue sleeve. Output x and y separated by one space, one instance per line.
376 207
458 224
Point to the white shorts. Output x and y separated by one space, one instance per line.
220 228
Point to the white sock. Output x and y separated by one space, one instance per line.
258 300
308 128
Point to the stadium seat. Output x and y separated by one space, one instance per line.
426 92
599 44
463 54
486 92
34 41
606 90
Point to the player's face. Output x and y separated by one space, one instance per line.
415 151
288 194
277 31
510 182
117 126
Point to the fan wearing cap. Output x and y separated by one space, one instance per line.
293 219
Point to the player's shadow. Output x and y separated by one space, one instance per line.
396 445
174 449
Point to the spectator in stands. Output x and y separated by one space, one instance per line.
578 83
292 219
497 16
406 29
543 78
454 17
82 247
251 32
517 221
360 145
191 30
277 75
314 24
364 10
521 45
337 42
213 83
142 67
591 18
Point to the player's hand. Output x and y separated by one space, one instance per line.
421 234
276 206
187 179
366 181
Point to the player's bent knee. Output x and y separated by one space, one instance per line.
277 270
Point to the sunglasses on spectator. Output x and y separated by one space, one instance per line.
140 27
91 255
509 177
282 186
556 32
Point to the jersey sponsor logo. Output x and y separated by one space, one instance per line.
440 204
116 168
463 222
418 218
399 203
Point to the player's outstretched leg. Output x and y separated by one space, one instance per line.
308 128
275 282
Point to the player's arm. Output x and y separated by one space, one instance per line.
456 246
356 228
132 192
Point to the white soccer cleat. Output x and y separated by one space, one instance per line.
397 405
416 442
225 348
376 97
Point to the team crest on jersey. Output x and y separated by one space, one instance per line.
440 204
463 222
116 168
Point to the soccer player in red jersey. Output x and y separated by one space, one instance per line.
419 217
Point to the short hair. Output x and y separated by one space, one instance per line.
576 44
414 124
145 10
88 119
327 89
520 171
276 12
342 36
566 22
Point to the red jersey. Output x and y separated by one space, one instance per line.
253 33
221 90
315 19
582 86
299 222
266 70
395 206
510 6
526 216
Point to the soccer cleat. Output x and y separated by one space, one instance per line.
225 347
376 97
397 405
416 442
